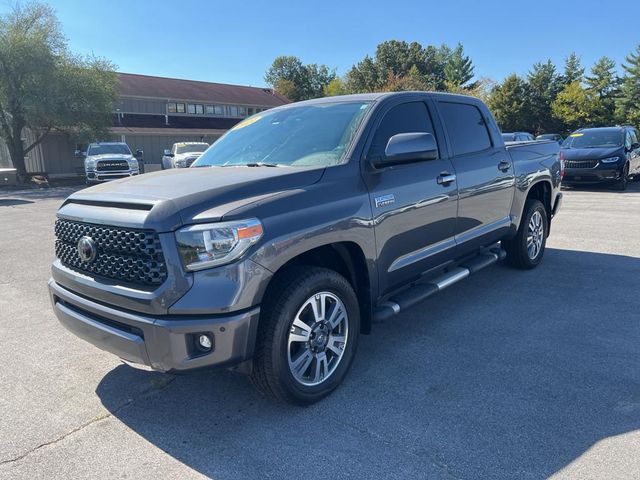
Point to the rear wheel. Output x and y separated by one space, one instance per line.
307 337
526 249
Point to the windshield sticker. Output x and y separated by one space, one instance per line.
247 122
576 134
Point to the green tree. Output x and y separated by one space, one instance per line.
458 71
508 102
364 77
296 81
573 69
604 83
543 86
335 87
43 87
575 106
628 107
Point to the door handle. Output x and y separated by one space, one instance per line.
445 178
504 166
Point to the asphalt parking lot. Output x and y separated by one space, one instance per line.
508 374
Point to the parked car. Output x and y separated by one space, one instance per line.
109 161
294 231
599 155
183 154
517 137
556 137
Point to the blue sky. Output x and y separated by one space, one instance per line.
236 41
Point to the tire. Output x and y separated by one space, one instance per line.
520 252
622 184
303 365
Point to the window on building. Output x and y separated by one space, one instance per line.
191 109
466 127
242 111
180 107
219 109
233 110
171 107
209 110
199 109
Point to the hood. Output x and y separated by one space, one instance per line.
187 155
168 199
591 153
111 156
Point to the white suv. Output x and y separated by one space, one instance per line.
183 154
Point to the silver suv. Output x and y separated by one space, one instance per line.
109 161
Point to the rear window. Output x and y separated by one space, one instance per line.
466 127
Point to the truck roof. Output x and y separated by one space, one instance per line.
369 97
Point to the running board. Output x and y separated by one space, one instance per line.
422 290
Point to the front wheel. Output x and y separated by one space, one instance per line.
623 182
308 335
526 249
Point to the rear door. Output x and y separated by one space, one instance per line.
413 214
484 171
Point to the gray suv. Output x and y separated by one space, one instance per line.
296 230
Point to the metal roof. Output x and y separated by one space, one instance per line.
135 85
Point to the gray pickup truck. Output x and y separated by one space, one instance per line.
296 231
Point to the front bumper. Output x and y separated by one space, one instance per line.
163 342
592 175
96 176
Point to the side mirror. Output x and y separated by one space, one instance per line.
79 154
167 153
139 154
635 146
408 148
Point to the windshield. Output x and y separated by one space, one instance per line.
194 147
118 148
305 135
546 136
594 139
508 137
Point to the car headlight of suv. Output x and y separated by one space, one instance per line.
181 163
89 163
133 164
610 160
213 244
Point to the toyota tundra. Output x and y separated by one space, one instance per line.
296 231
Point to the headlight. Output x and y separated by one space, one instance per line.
89 163
180 163
212 244
133 164
610 160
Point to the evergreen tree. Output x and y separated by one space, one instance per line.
458 71
575 107
604 83
573 69
629 100
543 87
508 102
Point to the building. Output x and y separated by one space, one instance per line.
152 113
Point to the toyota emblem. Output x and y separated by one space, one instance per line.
87 249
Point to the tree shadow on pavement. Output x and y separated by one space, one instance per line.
509 374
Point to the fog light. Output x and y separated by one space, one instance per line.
204 341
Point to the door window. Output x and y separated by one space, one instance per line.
466 127
404 118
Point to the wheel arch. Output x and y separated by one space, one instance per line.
346 258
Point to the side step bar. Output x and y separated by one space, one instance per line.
424 289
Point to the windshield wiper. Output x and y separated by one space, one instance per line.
262 164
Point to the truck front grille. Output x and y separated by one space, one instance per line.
580 163
130 255
112 165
